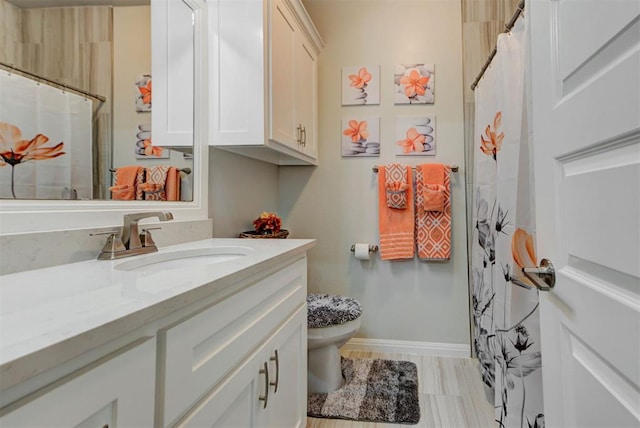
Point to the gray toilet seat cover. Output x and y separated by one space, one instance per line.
325 310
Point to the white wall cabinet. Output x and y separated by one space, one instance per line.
172 52
263 65
200 366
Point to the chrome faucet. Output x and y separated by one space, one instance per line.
130 234
131 242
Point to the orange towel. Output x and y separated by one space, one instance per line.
172 185
395 225
433 228
126 179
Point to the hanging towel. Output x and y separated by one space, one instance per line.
155 182
433 227
126 180
172 186
395 225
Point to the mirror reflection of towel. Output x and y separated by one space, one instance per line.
126 182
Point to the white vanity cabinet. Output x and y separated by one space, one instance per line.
115 391
251 326
222 345
263 88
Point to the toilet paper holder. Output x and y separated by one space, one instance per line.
372 248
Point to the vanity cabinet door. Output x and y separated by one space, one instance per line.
248 397
287 406
201 351
116 391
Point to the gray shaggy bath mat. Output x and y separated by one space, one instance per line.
374 390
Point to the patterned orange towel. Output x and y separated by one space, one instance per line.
395 225
433 228
154 185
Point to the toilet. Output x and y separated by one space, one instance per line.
331 321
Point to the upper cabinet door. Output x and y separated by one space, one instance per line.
283 74
306 95
172 68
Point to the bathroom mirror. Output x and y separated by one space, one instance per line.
32 215
76 78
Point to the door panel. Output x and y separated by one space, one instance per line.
585 63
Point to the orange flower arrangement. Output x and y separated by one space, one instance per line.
493 143
14 150
523 252
267 223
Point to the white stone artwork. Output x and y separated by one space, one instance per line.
361 85
414 84
361 136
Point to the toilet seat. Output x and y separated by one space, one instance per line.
328 310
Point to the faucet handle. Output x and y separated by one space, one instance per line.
111 247
145 237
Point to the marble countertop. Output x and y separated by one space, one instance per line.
48 316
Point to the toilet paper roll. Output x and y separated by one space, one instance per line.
362 251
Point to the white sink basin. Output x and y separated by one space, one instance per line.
182 259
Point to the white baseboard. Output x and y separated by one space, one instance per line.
408 347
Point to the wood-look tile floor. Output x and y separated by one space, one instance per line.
451 394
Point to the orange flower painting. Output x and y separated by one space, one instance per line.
357 131
361 85
143 93
15 150
413 143
144 146
415 135
414 84
361 136
492 144
361 79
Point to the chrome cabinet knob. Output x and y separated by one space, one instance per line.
543 277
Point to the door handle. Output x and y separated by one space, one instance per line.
299 129
543 277
303 137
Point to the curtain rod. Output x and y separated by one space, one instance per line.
64 87
507 27
185 170
453 168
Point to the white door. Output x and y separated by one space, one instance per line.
585 62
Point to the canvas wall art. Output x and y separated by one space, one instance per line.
361 85
416 136
361 136
143 93
145 148
414 84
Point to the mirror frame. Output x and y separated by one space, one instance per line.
24 216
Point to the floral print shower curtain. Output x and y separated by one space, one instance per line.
505 304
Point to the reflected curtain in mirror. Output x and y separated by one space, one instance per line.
46 137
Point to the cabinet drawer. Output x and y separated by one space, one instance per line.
116 391
200 351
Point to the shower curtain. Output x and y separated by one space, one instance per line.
36 108
505 304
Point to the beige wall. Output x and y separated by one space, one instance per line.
337 201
